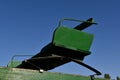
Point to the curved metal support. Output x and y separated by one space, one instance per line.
87 66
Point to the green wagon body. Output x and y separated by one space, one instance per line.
25 74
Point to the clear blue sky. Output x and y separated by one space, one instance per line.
27 25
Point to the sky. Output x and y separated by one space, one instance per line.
28 25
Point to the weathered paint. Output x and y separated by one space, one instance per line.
26 74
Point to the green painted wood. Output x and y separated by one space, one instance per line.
73 39
25 74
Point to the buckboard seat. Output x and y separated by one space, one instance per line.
67 45
66 42
73 39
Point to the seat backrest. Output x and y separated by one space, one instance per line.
72 39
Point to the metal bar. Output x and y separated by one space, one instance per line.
17 56
87 66
69 19
84 25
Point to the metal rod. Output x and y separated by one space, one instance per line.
69 19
